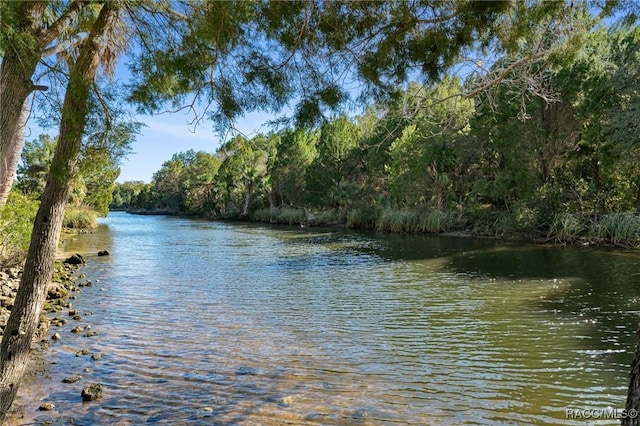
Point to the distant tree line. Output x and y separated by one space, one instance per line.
559 164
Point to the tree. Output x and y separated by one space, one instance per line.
295 152
16 342
199 184
93 185
28 29
36 161
242 178
424 159
125 195
334 163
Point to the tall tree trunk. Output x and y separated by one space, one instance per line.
15 87
16 342
25 46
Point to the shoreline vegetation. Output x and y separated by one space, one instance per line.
620 230
560 169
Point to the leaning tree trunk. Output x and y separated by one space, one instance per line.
633 396
25 46
15 87
18 334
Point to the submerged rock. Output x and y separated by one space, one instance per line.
91 393
246 371
72 379
103 253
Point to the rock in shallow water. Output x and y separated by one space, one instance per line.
75 259
91 393
46 406
72 379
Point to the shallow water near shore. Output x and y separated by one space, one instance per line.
204 322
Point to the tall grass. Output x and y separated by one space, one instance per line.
362 218
392 220
566 227
80 218
621 229
283 215
416 221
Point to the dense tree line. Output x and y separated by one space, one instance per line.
561 164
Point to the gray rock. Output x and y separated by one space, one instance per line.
96 356
83 352
91 393
75 259
46 406
56 336
103 253
72 379
77 329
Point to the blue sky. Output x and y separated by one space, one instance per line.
167 134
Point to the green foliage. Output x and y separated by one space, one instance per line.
243 179
35 161
295 152
16 223
98 169
125 195
335 163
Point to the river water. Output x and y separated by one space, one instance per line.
216 323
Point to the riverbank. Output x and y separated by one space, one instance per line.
621 230
58 293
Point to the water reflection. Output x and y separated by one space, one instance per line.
213 323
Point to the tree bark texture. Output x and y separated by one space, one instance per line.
633 395
15 86
18 335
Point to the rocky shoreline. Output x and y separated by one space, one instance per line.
60 292
62 283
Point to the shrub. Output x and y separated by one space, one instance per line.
16 224
566 227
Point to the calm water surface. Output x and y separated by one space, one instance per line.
216 323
